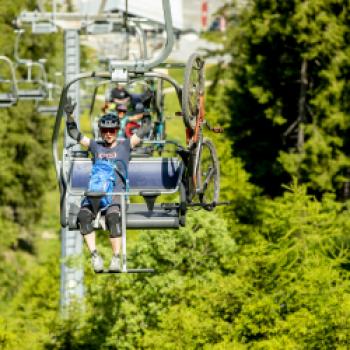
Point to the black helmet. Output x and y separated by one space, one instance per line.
109 121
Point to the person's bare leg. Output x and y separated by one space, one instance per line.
90 240
116 243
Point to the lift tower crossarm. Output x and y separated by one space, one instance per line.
66 17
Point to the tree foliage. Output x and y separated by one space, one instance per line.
275 286
261 273
288 96
25 160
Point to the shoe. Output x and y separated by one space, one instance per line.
115 264
96 261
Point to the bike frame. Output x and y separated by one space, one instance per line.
194 140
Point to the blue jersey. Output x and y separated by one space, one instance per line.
118 156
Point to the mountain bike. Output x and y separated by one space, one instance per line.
202 175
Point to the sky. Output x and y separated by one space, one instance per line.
146 8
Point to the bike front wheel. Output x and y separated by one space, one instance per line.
208 175
193 88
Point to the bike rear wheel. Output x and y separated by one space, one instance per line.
208 175
193 88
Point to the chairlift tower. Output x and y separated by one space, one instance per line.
72 277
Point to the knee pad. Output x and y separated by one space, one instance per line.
113 222
85 218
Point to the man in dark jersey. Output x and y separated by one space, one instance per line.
120 95
113 151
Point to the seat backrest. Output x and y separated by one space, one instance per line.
161 175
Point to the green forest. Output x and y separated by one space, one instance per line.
268 271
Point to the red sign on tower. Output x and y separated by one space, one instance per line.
204 14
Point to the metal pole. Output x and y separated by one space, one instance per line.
72 284
123 213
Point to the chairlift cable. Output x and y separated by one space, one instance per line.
102 6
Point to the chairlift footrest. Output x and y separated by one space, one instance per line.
169 206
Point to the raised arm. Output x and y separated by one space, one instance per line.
72 127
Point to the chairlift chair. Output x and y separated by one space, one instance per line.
148 178
43 27
34 85
99 27
187 175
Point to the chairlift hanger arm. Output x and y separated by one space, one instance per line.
140 66
142 40
28 62
19 33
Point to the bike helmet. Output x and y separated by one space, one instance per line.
109 121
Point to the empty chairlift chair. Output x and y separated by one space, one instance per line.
33 82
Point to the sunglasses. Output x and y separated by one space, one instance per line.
108 130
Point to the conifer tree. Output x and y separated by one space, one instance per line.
289 94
